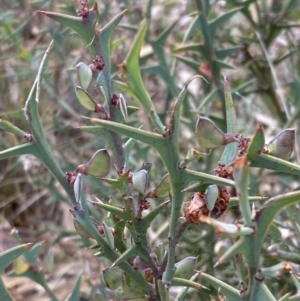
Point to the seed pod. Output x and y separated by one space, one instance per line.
140 181
185 267
209 135
112 278
211 196
85 99
99 165
163 188
84 74
282 145
78 187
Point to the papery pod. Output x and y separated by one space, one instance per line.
163 188
209 135
84 74
98 166
80 229
131 289
85 99
185 267
256 143
123 107
140 181
78 187
112 278
282 145
211 196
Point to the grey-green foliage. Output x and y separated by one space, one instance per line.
139 268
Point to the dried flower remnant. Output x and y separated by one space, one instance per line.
98 63
242 144
224 172
83 11
197 206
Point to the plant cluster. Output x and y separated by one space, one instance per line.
179 189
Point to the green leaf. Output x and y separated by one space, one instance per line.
108 235
225 289
259 291
112 209
241 175
75 295
231 150
147 219
7 257
154 140
163 291
5 295
131 70
220 21
257 142
277 164
9 127
196 176
85 27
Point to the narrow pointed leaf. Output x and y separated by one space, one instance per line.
9 127
196 176
129 253
151 215
5 295
131 70
260 291
231 150
257 142
277 164
228 230
85 28
75 295
241 175
176 281
154 140
163 291
112 209
225 289
109 236
7 257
